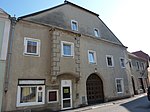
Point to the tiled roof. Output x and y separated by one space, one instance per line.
142 55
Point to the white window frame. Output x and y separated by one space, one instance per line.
122 84
62 50
110 56
31 103
121 62
94 53
96 32
26 39
72 23
48 96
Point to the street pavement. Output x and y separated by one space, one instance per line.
138 103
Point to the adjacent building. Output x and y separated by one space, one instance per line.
4 39
65 57
138 62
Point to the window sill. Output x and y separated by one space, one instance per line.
31 54
67 56
53 102
29 104
119 92
110 66
92 63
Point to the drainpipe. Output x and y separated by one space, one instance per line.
7 74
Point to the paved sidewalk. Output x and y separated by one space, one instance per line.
106 104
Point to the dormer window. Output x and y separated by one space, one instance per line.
96 32
74 25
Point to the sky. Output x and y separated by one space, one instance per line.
129 20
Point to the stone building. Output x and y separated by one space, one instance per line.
4 38
139 73
65 57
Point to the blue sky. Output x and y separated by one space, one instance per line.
129 20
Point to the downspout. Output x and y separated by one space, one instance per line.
8 64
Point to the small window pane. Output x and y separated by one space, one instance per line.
96 32
109 61
28 94
66 103
122 62
52 96
119 85
66 92
138 67
67 49
31 47
91 57
74 25
40 94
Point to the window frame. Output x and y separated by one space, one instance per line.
142 66
123 62
30 103
96 32
137 65
72 24
26 39
62 49
48 96
112 60
94 54
121 84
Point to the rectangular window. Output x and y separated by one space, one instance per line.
119 85
52 96
92 56
130 64
32 46
96 32
30 94
142 66
137 65
109 60
67 48
74 25
122 62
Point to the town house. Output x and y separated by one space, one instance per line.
65 57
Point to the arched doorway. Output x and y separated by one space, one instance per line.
94 87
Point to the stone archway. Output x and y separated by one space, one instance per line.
94 88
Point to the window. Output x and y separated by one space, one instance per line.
30 93
130 64
74 25
52 96
96 32
67 48
122 62
32 46
119 85
142 66
137 64
92 57
110 62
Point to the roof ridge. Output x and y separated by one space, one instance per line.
65 2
